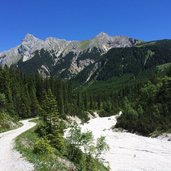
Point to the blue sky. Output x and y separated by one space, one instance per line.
83 19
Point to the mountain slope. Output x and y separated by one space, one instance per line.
60 57
118 62
100 58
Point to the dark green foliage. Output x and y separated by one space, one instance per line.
25 94
144 99
42 146
150 111
5 119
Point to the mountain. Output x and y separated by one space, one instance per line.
60 57
118 62
100 58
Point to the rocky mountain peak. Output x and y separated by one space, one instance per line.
102 34
29 38
64 50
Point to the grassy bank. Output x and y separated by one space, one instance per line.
50 159
42 162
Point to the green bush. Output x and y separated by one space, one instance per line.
41 129
42 146
91 164
58 142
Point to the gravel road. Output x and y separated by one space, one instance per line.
10 159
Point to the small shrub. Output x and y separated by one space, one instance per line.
58 142
42 146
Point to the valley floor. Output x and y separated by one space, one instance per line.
130 152
10 159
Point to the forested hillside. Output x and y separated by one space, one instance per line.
120 61
144 99
137 82
26 96
21 95
148 110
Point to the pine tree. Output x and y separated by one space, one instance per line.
50 112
